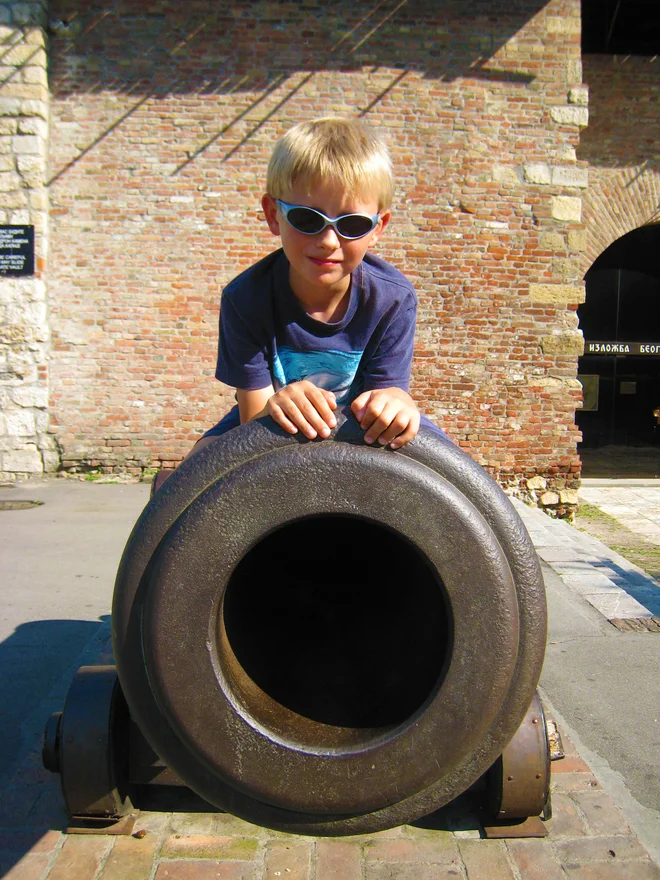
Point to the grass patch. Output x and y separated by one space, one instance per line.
592 520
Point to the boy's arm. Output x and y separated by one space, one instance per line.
386 411
388 415
298 406
251 403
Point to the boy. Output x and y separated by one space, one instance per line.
321 323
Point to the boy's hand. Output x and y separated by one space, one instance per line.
305 407
388 415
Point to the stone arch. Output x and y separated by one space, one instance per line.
618 201
620 367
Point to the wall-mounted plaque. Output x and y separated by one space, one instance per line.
16 250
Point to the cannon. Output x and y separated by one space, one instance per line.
320 637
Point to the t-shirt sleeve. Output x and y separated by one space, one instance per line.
391 361
242 354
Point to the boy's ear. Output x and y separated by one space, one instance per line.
270 212
380 228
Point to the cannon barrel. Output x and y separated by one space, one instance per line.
327 638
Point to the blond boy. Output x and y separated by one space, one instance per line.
321 323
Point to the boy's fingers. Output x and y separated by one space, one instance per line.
330 398
278 416
406 436
388 416
323 405
359 405
373 412
313 416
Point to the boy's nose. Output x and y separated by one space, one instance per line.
329 238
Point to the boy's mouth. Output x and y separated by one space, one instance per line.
324 261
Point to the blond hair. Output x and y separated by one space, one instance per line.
345 151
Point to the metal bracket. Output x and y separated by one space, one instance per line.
102 824
530 827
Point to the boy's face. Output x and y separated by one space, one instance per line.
321 264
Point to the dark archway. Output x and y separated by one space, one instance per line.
620 368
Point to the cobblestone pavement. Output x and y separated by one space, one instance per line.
589 836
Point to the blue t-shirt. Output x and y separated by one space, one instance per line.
266 336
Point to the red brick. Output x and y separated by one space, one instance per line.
197 870
34 841
570 764
200 846
535 859
80 857
441 851
574 782
566 819
29 867
634 870
486 860
290 860
599 848
376 871
602 815
338 860
131 858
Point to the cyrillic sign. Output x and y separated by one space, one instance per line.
648 348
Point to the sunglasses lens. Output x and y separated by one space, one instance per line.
354 226
305 220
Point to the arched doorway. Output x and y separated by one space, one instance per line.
620 368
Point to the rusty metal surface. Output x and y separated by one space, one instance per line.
223 733
530 827
144 765
93 745
122 825
520 780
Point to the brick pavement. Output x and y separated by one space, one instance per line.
589 839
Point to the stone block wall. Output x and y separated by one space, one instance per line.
163 118
26 445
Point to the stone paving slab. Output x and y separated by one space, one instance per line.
617 588
636 507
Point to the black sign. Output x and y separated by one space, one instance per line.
648 348
16 250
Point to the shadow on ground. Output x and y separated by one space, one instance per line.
621 462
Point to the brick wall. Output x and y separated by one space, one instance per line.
163 117
621 147
26 446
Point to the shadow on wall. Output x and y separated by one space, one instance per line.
624 114
262 47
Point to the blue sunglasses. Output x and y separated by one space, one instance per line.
309 221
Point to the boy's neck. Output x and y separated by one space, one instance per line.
328 306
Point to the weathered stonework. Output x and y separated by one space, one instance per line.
26 445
